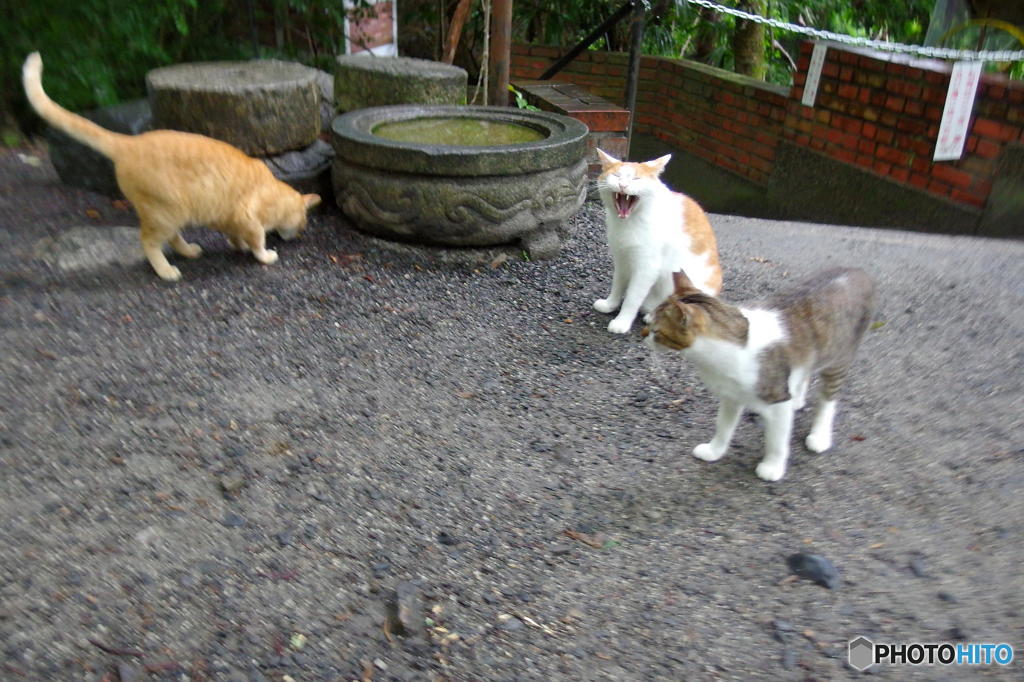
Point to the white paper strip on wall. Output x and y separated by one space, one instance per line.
814 74
956 115
371 30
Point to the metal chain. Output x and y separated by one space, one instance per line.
920 50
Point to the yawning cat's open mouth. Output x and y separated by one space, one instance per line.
624 203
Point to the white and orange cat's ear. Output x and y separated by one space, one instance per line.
311 200
658 165
607 160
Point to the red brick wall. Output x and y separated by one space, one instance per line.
876 111
731 121
882 112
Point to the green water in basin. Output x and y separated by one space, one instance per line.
471 132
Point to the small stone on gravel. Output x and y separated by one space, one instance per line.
816 568
232 520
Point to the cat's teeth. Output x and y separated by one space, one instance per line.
624 203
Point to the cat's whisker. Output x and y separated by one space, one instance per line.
659 360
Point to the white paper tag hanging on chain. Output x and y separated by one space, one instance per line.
814 74
956 115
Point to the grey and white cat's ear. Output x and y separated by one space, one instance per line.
606 158
681 282
658 165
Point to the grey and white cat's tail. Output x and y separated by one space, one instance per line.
82 129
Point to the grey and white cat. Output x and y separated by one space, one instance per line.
762 357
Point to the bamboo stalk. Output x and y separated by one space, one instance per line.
455 29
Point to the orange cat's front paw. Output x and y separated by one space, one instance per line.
192 251
267 256
170 274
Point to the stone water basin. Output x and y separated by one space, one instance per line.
460 175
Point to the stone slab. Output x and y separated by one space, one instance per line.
263 107
91 247
307 170
361 82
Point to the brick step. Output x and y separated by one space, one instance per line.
608 122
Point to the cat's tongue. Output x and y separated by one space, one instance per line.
624 203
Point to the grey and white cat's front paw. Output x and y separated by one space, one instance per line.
770 471
620 325
605 305
707 452
818 442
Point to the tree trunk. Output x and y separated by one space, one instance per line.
704 46
748 42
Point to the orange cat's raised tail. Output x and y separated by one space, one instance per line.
82 129
176 179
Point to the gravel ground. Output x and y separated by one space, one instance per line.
381 462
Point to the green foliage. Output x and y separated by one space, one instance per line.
97 52
520 100
553 22
684 30
676 28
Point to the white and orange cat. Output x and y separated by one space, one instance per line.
176 179
652 232
763 356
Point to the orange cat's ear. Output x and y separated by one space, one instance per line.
658 164
607 159
681 282
311 200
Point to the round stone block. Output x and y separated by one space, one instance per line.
461 195
361 82
263 107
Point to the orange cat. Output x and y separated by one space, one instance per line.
652 232
176 179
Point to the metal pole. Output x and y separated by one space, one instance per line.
633 78
620 13
501 52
